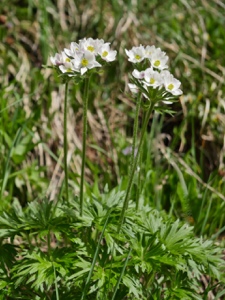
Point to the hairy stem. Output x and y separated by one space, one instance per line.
65 142
85 106
139 173
135 130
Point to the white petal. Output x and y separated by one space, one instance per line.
83 70
133 88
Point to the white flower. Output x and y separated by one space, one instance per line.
81 56
171 84
136 54
68 68
153 78
165 73
106 53
74 48
149 50
91 45
138 75
63 62
84 61
133 88
65 58
67 65
57 60
158 59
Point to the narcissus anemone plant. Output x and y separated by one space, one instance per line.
151 80
76 62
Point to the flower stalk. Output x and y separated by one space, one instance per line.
65 145
84 137
139 173
135 129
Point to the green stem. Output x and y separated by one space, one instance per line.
65 142
85 106
135 130
139 173
130 182
139 188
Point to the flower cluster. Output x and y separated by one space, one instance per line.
80 57
154 76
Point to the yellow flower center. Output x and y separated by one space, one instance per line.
68 70
84 62
67 59
170 86
104 54
137 57
91 48
157 63
152 81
